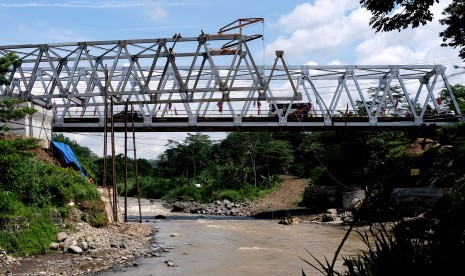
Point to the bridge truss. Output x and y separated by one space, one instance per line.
212 83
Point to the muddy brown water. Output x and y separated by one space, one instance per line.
236 246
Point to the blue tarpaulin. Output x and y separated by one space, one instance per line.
68 157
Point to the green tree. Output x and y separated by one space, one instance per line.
10 109
188 158
389 105
453 36
459 92
246 151
353 158
278 156
7 63
413 13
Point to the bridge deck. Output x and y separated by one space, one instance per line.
220 124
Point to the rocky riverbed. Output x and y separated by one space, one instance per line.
291 213
85 250
89 250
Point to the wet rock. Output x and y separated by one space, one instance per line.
74 249
330 215
68 243
169 263
83 245
289 220
160 217
180 207
156 249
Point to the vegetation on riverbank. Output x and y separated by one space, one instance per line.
429 244
34 198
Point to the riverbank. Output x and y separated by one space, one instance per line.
117 245
281 204
126 244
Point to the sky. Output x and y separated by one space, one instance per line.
319 32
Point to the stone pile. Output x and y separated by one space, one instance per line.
227 208
5 259
220 208
89 250
66 243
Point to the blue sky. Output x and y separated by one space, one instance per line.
310 32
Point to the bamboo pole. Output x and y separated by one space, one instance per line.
136 164
113 161
105 119
126 161
105 142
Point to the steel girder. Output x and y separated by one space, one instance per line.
186 83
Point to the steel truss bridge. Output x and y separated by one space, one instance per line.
212 83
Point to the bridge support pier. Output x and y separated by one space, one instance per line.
39 125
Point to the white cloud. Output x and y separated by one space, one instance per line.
158 13
48 33
330 30
320 28
311 63
115 4
392 55
321 12
410 46
335 62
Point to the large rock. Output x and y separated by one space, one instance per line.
68 243
54 246
323 196
353 199
62 236
83 245
180 207
74 249
411 201
289 220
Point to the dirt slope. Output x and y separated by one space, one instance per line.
284 201
287 195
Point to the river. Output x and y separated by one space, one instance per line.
236 246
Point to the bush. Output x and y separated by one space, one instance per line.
317 173
29 233
231 195
94 213
185 193
9 203
154 187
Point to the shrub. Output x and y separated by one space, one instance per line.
9 203
29 233
317 173
185 193
231 195
94 213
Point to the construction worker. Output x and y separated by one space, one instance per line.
171 53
